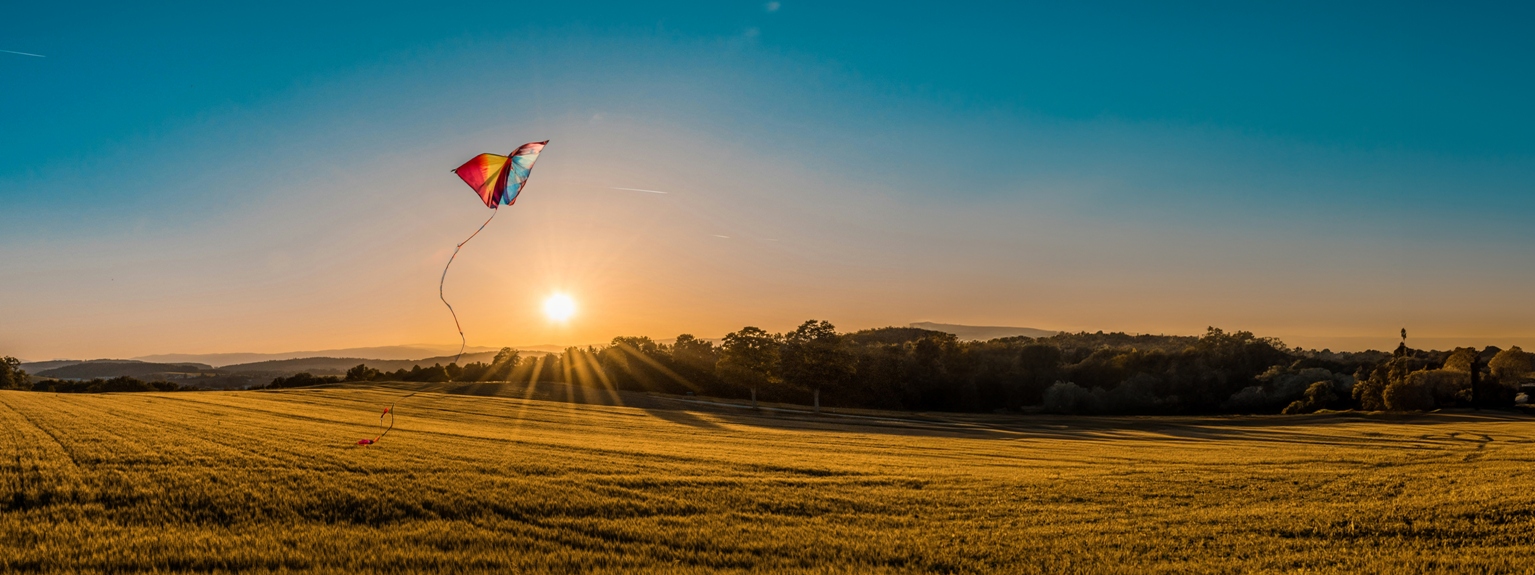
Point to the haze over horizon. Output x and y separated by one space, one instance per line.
238 179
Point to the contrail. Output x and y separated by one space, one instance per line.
639 190
23 54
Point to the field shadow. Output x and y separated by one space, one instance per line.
682 417
1341 428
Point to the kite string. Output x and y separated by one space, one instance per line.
462 342
390 413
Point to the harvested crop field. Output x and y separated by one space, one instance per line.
480 479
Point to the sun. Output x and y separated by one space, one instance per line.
559 307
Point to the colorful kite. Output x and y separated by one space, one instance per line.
498 180
389 411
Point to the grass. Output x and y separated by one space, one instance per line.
475 481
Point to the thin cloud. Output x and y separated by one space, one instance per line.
639 190
773 6
720 236
23 53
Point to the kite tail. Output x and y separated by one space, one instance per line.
462 342
390 413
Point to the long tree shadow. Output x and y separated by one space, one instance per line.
1346 428
682 417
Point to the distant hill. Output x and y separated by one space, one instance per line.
108 368
335 365
446 359
240 375
312 365
983 332
891 335
37 366
544 348
391 352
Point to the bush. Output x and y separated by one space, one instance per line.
1136 395
1408 395
1070 398
1250 398
1319 395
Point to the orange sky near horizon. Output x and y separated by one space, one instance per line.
741 237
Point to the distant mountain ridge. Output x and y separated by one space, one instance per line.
240 373
39 366
108 368
983 332
335 365
388 352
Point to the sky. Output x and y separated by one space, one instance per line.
269 177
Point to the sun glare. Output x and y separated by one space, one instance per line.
559 307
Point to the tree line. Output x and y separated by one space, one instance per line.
15 378
1080 373
918 369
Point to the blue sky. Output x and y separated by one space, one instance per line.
278 173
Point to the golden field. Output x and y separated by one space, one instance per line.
477 478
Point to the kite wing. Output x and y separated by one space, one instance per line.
499 179
521 166
486 173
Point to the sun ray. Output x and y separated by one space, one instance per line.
607 384
661 368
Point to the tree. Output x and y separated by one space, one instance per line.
695 360
638 362
362 373
1460 360
1410 394
115 385
435 374
11 374
1511 364
1370 392
929 374
749 358
501 367
812 357
507 355
296 380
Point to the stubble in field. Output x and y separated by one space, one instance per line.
271 481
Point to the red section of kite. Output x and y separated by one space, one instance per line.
486 173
